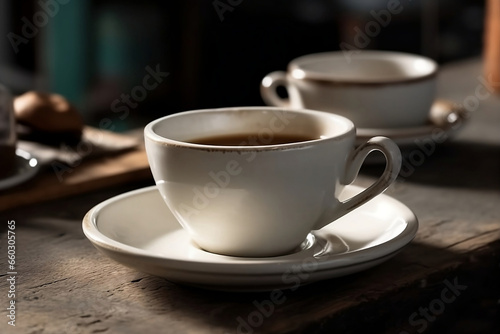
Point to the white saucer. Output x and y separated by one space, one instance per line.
445 119
27 167
138 230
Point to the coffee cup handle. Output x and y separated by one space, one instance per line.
355 160
268 88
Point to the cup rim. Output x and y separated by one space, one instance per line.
297 72
150 134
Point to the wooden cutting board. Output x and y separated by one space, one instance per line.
125 163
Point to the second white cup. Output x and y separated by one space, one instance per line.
374 89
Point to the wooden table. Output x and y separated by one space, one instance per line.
445 281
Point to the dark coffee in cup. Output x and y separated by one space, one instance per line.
252 139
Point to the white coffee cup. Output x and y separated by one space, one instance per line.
259 199
374 89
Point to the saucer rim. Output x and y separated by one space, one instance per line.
243 266
407 135
24 172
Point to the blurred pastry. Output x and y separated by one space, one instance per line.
47 118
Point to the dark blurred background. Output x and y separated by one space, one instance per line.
97 53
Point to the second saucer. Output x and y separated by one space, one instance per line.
444 121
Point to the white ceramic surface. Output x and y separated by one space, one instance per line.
139 231
445 120
259 200
374 89
27 167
